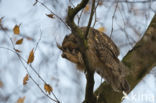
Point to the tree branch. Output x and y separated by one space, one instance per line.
89 97
71 14
90 19
140 60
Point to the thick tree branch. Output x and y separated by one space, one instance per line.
140 60
89 97
71 14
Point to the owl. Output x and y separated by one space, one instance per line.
102 55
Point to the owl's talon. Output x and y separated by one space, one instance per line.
125 95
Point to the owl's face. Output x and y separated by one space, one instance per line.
70 49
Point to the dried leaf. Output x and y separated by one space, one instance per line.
16 30
29 38
48 88
26 78
102 29
86 9
19 41
50 15
21 100
31 57
1 84
17 50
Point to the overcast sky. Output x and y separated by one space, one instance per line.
67 82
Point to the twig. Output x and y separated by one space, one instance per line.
79 17
95 20
95 13
90 19
21 58
113 19
71 3
33 70
53 13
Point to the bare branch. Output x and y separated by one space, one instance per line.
113 18
53 13
71 14
90 19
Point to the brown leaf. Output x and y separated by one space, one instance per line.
50 15
21 100
26 78
19 41
1 84
16 30
48 88
102 29
31 57
29 38
86 9
17 50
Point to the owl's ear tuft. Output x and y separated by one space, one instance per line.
59 46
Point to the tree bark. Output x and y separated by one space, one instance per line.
140 60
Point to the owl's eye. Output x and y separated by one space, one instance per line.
67 50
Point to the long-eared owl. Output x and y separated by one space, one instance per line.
102 55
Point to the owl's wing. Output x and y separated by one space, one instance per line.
104 46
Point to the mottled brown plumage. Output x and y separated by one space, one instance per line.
102 55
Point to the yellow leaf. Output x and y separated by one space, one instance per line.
102 29
31 57
21 100
1 84
16 30
26 78
48 88
50 15
86 9
19 41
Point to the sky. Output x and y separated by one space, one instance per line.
67 82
